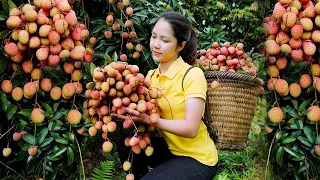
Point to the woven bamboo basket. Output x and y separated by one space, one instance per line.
230 108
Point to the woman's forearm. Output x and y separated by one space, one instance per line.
181 127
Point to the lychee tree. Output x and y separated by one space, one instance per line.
292 68
46 55
124 31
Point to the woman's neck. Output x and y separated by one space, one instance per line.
166 65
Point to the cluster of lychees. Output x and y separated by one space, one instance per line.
293 29
130 49
47 33
226 58
116 87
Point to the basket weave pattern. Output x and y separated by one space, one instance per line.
230 108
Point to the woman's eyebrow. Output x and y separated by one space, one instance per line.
160 36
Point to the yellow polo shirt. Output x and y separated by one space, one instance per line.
172 106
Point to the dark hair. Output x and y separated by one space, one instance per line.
183 31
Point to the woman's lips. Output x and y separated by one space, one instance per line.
156 53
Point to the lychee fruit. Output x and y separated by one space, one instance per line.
37 115
17 93
55 93
6 86
275 115
6 152
313 113
74 117
32 151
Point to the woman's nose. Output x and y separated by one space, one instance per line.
156 44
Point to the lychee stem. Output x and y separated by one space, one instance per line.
35 130
136 129
12 170
2 135
122 32
268 160
275 96
317 129
84 175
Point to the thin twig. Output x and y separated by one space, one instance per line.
2 135
84 176
265 174
13 170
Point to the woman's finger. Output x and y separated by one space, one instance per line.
132 111
119 116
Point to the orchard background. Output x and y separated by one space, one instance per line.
48 144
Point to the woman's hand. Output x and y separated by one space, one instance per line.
136 116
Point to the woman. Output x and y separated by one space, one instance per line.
185 151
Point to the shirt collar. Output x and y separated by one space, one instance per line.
174 68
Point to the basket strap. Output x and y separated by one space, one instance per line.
184 76
152 74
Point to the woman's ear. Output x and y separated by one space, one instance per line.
181 46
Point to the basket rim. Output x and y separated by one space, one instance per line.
232 75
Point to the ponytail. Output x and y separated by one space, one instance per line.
189 52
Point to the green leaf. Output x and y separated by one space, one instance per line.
317 141
280 135
303 106
59 152
46 142
26 113
70 155
92 67
3 16
304 141
48 109
107 58
11 5
70 136
29 139
4 101
5 6
99 55
51 125
42 135
279 156
291 152
288 140
307 131
114 57
4 61
12 109
62 140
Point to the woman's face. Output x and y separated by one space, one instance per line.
163 44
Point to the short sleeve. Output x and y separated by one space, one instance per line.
195 84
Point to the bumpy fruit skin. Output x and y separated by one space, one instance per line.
17 93
32 151
74 117
313 113
126 166
149 151
6 86
215 85
6 152
55 93
11 49
37 115
107 146
295 89
275 115
130 177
